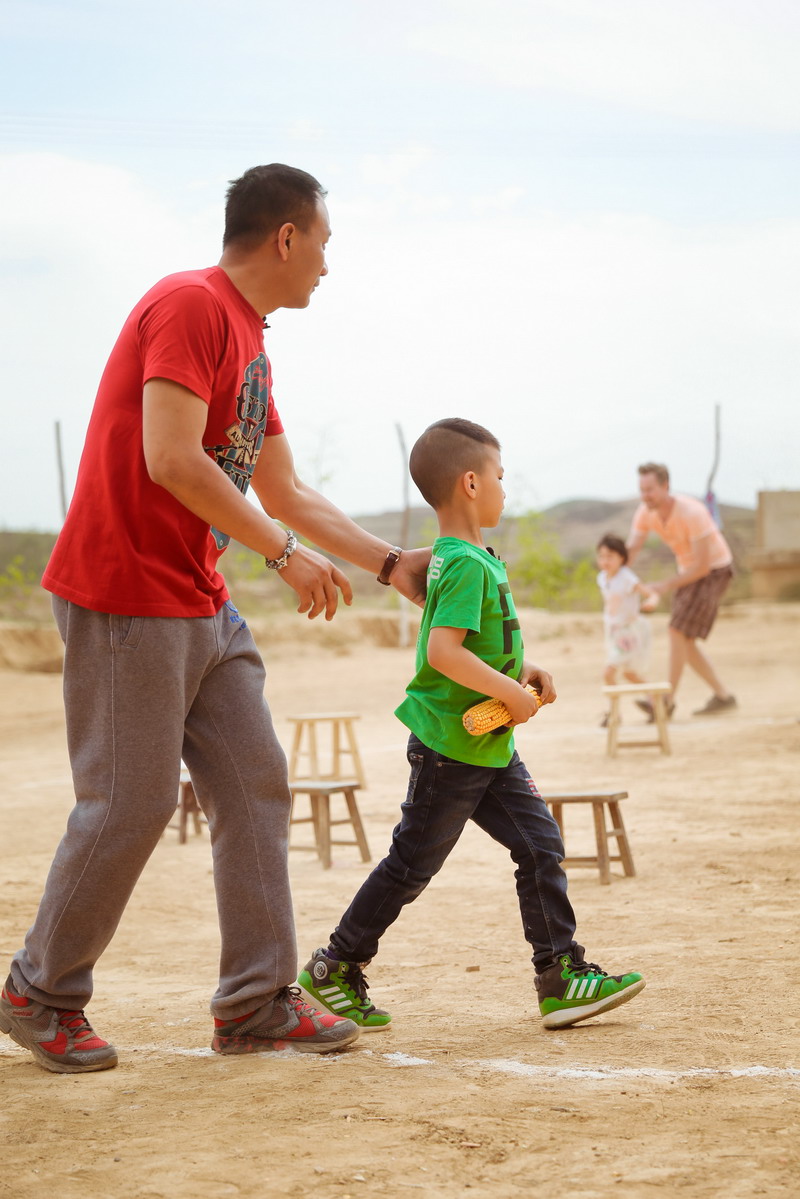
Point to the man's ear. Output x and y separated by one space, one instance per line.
284 240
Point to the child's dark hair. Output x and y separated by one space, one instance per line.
615 544
445 451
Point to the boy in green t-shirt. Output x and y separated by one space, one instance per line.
469 647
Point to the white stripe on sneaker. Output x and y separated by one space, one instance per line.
333 998
582 988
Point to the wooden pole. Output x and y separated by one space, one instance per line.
403 631
62 490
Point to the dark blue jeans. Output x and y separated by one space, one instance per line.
442 796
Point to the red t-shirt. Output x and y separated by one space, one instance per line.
127 545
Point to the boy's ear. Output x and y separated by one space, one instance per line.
468 483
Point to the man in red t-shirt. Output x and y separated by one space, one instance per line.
704 563
159 666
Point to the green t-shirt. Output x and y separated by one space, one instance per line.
467 589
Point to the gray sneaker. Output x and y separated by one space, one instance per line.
715 705
61 1040
288 1022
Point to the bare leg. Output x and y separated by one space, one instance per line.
633 677
610 680
678 657
701 665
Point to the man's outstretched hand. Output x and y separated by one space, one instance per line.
317 582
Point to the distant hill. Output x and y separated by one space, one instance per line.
573 527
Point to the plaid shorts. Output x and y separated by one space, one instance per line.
694 607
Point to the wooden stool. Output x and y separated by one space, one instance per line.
188 807
599 800
658 694
333 768
343 745
319 792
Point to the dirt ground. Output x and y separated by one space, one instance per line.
690 1089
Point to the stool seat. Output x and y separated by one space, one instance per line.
657 693
600 800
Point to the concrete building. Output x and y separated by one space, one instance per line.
775 562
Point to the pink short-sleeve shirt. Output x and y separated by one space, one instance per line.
689 521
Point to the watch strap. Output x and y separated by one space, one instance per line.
392 558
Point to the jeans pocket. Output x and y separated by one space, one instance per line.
416 762
127 631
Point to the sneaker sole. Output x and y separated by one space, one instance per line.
52 1063
566 1016
315 1002
260 1045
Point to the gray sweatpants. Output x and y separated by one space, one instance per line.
141 693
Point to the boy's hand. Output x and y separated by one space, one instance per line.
539 679
520 706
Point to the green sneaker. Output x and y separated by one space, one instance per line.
574 989
340 988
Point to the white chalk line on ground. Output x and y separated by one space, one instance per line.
511 1066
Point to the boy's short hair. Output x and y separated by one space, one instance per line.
658 469
615 544
445 451
266 197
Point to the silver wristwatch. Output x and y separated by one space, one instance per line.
291 546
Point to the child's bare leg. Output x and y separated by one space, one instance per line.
610 680
633 677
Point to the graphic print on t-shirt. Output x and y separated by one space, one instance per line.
239 457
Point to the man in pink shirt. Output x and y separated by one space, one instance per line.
704 564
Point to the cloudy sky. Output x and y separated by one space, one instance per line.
575 221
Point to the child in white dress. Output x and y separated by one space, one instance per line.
626 630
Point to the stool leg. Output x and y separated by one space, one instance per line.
323 828
613 727
355 757
660 710
192 806
183 813
294 754
292 798
355 820
336 766
599 813
313 759
314 804
622 838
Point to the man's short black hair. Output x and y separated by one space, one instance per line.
445 451
266 197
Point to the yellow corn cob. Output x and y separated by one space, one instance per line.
490 714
